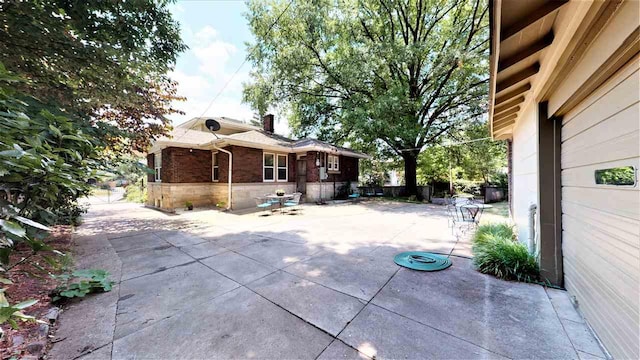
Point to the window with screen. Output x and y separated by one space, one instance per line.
215 169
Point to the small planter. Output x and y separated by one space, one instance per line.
280 192
188 205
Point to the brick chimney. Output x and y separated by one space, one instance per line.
267 122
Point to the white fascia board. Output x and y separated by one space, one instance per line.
284 149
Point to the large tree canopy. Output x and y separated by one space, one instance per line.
82 84
101 62
391 74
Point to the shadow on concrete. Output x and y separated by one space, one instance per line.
220 291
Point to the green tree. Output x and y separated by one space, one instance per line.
465 154
394 74
103 64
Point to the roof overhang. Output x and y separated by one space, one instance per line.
534 45
223 142
521 32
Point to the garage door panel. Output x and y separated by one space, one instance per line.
584 176
604 105
612 201
623 255
620 227
615 328
605 133
601 223
620 148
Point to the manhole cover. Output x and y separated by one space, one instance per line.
423 261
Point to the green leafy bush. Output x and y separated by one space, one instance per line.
82 282
498 253
133 193
11 313
489 231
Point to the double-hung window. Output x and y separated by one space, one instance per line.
215 168
268 162
333 163
157 164
275 167
282 167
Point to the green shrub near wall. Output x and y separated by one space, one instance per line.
497 252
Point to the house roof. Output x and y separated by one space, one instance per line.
264 140
181 137
193 134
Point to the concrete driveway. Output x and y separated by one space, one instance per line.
318 284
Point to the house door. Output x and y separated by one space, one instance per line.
301 175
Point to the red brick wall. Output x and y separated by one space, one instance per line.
348 168
150 162
223 165
247 164
292 167
313 172
182 165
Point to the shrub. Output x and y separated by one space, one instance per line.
497 253
133 193
343 191
82 282
489 231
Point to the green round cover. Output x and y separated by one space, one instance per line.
423 261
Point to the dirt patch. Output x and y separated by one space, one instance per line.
32 280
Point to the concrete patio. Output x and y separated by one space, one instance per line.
318 284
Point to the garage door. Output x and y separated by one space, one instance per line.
601 209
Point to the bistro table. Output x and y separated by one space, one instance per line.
281 198
472 205
479 206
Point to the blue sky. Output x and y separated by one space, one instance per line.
216 33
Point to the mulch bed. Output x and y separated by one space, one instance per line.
32 280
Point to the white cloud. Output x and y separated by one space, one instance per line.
212 67
206 34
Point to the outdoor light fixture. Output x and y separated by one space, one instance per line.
317 159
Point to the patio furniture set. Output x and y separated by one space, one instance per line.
464 211
279 202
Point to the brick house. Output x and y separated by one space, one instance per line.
192 164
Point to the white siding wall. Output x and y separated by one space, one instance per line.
525 168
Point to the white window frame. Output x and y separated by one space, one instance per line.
333 163
157 165
273 167
215 165
286 168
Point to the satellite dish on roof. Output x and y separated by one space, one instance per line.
212 125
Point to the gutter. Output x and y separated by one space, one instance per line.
495 13
230 173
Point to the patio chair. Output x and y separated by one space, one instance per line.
379 192
292 203
263 203
463 216
369 192
355 196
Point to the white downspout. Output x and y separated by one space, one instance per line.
230 173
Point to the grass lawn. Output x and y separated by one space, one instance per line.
499 213
100 192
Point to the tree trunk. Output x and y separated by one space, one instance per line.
410 178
